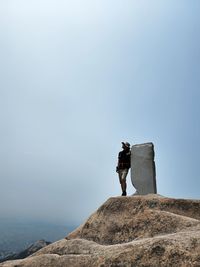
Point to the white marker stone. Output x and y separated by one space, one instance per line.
143 171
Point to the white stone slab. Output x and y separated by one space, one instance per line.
143 171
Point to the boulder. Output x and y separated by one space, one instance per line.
143 170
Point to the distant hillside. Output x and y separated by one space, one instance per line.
16 236
28 251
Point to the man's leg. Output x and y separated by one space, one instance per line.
123 185
122 179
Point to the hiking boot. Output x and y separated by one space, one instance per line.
124 193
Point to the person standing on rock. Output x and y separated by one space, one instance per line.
123 166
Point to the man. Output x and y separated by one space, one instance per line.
123 166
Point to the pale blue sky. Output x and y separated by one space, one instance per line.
79 77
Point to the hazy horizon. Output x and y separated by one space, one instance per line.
79 77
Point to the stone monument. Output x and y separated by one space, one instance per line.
143 171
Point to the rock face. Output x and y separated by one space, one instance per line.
143 171
128 232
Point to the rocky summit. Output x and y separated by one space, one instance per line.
130 231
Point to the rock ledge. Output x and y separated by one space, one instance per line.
128 231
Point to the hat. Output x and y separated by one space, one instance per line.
126 144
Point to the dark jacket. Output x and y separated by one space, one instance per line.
124 160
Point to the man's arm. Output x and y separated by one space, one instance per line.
117 168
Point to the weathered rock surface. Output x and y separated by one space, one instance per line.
128 231
143 169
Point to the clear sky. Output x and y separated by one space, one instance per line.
77 78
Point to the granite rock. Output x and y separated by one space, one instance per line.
143 170
131 231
